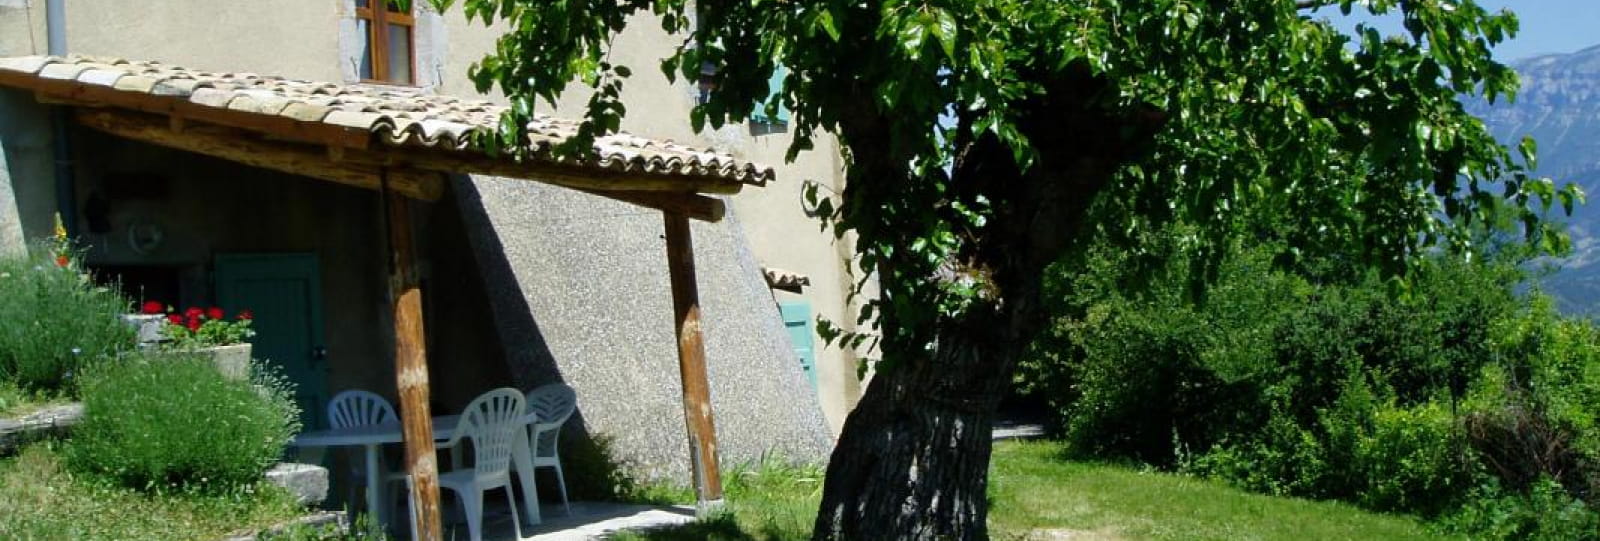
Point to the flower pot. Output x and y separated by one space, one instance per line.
148 325
233 361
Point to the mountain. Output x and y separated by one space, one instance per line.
1559 106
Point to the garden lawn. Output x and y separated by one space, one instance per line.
1036 495
40 499
1032 489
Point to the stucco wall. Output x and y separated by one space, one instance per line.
773 218
580 289
22 27
27 186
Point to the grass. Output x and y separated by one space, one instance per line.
15 402
40 499
1033 489
1037 495
772 500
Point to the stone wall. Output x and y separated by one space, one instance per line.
27 179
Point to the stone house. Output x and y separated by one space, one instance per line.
523 282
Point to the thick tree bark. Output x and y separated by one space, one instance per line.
912 462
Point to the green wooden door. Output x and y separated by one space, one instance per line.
797 319
285 293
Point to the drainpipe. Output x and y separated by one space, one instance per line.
55 20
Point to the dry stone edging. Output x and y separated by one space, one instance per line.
338 519
52 422
307 482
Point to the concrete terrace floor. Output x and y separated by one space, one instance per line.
589 520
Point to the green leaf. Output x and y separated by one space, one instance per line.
943 27
825 20
697 119
912 37
1529 150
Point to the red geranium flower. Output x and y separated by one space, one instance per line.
246 315
175 319
193 313
194 324
153 307
62 261
214 313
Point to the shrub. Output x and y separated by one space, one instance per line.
1144 366
1410 459
1545 512
55 321
173 421
1327 386
1362 450
1532 415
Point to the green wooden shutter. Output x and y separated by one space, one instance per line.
797 319
773 84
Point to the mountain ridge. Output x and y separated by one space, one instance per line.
1559 106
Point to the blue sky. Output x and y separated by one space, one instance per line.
1548 26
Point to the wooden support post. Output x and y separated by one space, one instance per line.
411 369
692 364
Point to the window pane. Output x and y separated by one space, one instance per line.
395 7
364 62
361 3
399 54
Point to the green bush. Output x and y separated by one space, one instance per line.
54 321
1545 512
1373 453
1145 366
157 422
1329 385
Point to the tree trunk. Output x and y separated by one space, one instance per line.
913 459
912 462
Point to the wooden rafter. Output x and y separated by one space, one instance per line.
278 156
569 176
355 167
68 92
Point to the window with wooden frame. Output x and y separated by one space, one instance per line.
388 56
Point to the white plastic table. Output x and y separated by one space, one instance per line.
444 427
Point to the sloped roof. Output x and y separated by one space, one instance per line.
397 117
785 280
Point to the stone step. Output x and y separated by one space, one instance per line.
53 422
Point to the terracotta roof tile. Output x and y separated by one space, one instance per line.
398 117
785 280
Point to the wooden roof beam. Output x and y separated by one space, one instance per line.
336 165
245 148
699 207
71 92
582 178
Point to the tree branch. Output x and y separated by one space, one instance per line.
1312 4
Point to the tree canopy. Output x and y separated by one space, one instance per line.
985 139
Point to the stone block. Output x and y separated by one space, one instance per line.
308 483
50 422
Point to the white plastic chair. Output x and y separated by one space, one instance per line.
357 408
549 406
492 422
